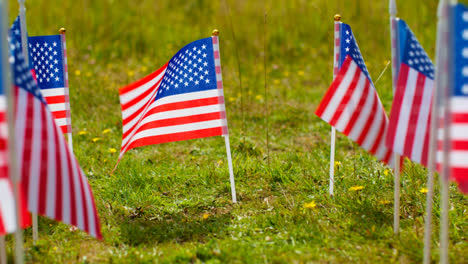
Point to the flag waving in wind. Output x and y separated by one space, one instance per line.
52 180
409 129
352 105
182 100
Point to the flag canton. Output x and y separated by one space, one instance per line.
192 69
15 32
46 56
22 76
348 46
413 53
461 50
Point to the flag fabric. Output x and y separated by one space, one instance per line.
458 100
352 104
48 60
52 180
8 205
409 129
182 100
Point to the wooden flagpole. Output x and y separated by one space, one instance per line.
24 44
225 130
3 256
62 32
395 71
12 157
336 67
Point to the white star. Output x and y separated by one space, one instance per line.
55 53
186 83
56 70
207 81
194 48
199 51
204 46
196 82
206 72
205 64
55 44
465 87
176 86
56 61
347 49
204 55
45 44
201 77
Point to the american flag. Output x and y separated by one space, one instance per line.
182 100
409 129
458 101
352 105
54 184
7 200
47 58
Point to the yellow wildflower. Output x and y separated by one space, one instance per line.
55 248
105 131
386 172
206 216
310 205
384 202
356 188
112 150
286 73
82 132
337 164
232 99
88 74
276 81
259 97
423 190
130 73
144 68
77 72
96 139
301 73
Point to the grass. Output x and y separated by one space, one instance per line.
170 203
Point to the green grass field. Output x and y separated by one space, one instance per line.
171 203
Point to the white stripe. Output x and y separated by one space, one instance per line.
129 96
7 206
57 107
89 205
366 111
352 104
78 206
340 92
53 92
140 105
61 121
374 130
51 170
36 158
459 104
405 112
457 158
459 132
423 121
177 129
20 124
66 189
382 150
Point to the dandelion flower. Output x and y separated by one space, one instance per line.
112 150
310 205
301 73
356 188
88 74
105 131
130 73
96 139
384 202
259 97
276 81
77 72
386 172
206 216
423 190
337 164
82 132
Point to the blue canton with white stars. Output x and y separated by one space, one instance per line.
192 69
460 50
22 76
45 54
348 46
413 53
2 90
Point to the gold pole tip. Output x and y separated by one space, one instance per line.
337 17
62 30
215 32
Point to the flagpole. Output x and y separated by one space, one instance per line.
24 45
395 70
336 67
3 256
219 81
62 32
12 157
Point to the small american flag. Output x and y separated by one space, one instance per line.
352 105
409 129
54 184
48 60
182 100
458 101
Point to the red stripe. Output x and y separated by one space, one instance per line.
141 82
59 114
180 121
96 218
43 164
332 90
414 115
460 175
425 151
210 132
59 182
28 137
64 129
459 145
172 107
83 198
460 118
388 157
357 112
347 96
139 111
73 203
59 99
369 121
396 106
